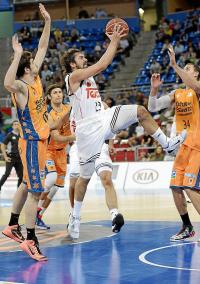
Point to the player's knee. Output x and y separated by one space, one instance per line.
106 180
142 113
50 180
82 182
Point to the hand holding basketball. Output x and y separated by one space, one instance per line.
118 26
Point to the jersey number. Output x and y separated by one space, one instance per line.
98 106
186 124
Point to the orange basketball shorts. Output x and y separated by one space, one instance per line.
57 162
186 169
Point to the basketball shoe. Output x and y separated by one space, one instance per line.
14 233
185 233
73 227
175 142
31 247
117 223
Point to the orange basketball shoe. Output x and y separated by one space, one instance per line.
31 247
14 233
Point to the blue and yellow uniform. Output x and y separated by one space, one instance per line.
34 133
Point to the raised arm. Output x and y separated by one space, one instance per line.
154 103
10 82
189 80
44 40
81 74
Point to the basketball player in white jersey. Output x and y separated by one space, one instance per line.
94 124
104 171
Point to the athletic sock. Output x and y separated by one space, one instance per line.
31 234
77 208
40 203
41 212
186 220
114 213
160 137
14 218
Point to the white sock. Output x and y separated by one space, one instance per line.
113 213
77 208
40 203
160 137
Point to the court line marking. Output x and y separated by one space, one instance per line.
142 257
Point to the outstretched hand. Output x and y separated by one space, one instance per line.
171 54
118 33
44 12
156 82
17 47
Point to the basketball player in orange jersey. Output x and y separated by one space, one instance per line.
94 124
56 161
23 82
186 169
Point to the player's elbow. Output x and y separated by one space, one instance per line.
8 86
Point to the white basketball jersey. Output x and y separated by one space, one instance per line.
86 101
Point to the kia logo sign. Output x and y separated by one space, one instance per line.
145 176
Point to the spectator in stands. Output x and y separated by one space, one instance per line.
74 35
57 34
182 59
178 48
10 151
143 156
192 56
100 13
165 46
177 28
25 34
157 155
132 140
100 79
34 30
45 72
147 141
155 67
83 14
124 47
62 45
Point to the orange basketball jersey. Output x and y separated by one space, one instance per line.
187 113
33 119
65 129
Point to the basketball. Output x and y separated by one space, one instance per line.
110 26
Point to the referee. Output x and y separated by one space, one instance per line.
10 151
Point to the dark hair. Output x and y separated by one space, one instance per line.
49 90
24 63
67 58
